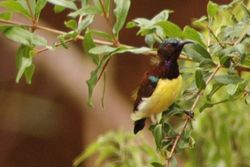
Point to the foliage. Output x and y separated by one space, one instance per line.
119 149
213 74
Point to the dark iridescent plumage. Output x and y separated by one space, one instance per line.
168 53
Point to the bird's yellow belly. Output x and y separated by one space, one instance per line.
163 96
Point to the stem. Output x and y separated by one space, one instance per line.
58 32
115 41
55 45
215 37
97 41
188 119
241 68
103 69
30 10
104 11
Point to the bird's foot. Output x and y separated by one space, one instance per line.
190 114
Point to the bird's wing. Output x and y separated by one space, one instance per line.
148 85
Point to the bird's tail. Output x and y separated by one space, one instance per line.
139 125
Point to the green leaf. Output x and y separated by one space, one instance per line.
121 12
64 3
205 106
216 86
95 74
158 135
88 44
247 99
238 89
85 22
69 35
225 60
134 50
24 36
85 10
190 33
231 89
173 162
156 164
150 41
29 72
107 7
28 5
212 8
200 23
245 9
91 84
139 22
58 9
90 150
227 79
62 42
102 34
102 50
207 63
84 2
5 15
200 83
71 24
162 16
24 63
14 6
98 6
197 52
40 4
170 29
186 140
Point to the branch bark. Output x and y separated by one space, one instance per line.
97 41
188 119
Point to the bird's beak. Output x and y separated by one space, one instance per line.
184 42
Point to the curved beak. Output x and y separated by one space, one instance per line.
184 42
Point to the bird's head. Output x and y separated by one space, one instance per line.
171 48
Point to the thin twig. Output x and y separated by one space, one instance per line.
97 41
103 69
105 14
115 41
215 37
241 68
188 119
55 45
58 32
30 10
14 23
80 19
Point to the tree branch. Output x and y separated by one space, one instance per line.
188 119
97 41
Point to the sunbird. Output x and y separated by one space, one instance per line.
160 85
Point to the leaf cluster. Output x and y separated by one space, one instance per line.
222 41
120 149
